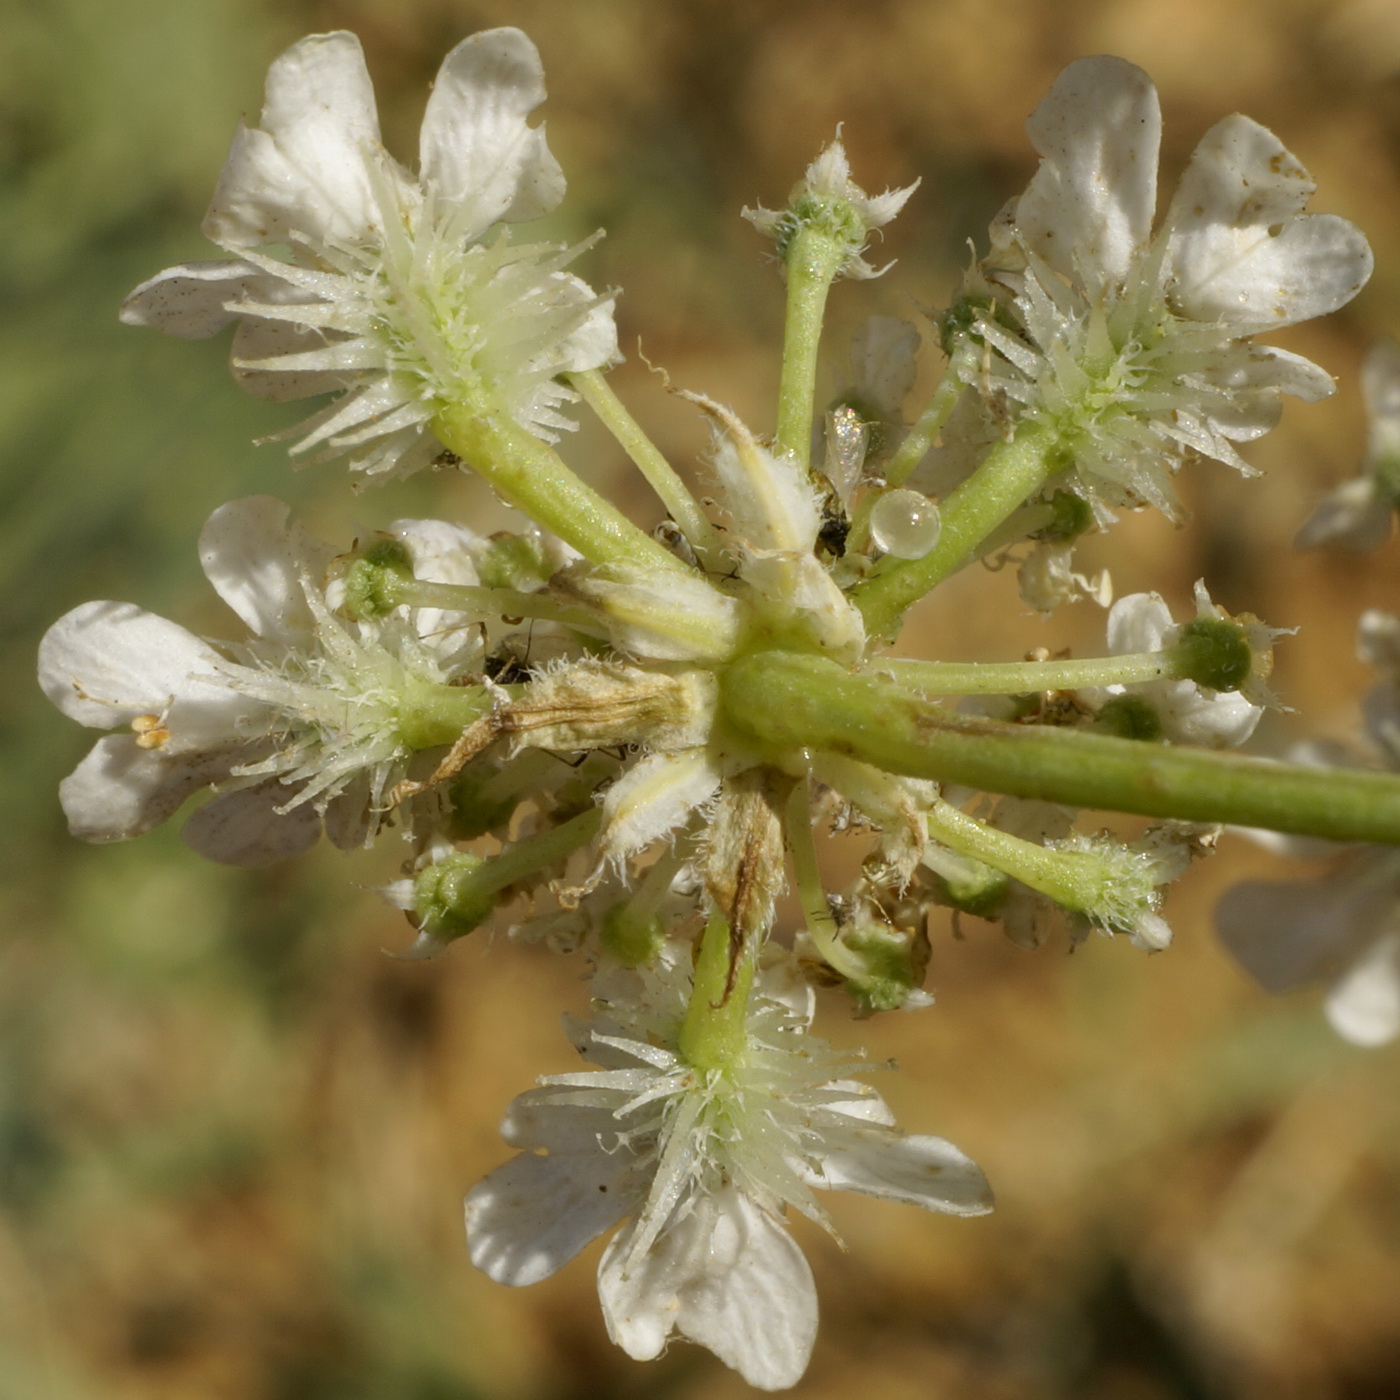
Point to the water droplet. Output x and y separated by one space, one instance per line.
905 524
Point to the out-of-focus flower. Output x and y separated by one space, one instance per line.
401 296
1342 929
1358 513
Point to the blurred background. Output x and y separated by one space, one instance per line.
234 1134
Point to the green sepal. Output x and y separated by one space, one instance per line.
893 965
372 575
453 896
1129 717
1215 652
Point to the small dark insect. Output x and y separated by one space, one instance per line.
833 533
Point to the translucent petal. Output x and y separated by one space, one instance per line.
1352 516
191 301
244 828
121 790
476 150
1380 380
728 1276
1088 209
256 558
531 1216
1286 934
919 1171
259 340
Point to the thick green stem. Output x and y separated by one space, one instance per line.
1010 473
683 508
785 703
530 475
712 1035
430 715
813 259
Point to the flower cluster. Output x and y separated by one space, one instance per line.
638 739
399 296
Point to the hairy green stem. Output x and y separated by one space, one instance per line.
1025 677
1075 879
785 702
489 602
430 715
813 259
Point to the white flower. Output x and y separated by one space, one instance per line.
401 297
1189 713
1342 929
1358 513
704 1164
1133 346
301 722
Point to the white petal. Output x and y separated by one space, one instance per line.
255 557
441 552
305 170
244 827
1364 1004
476 150
191 300
1192 715
1137 623
1240 252
919 1171
121 790
727 1276
103 664
348 819
1088 209
530 1217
